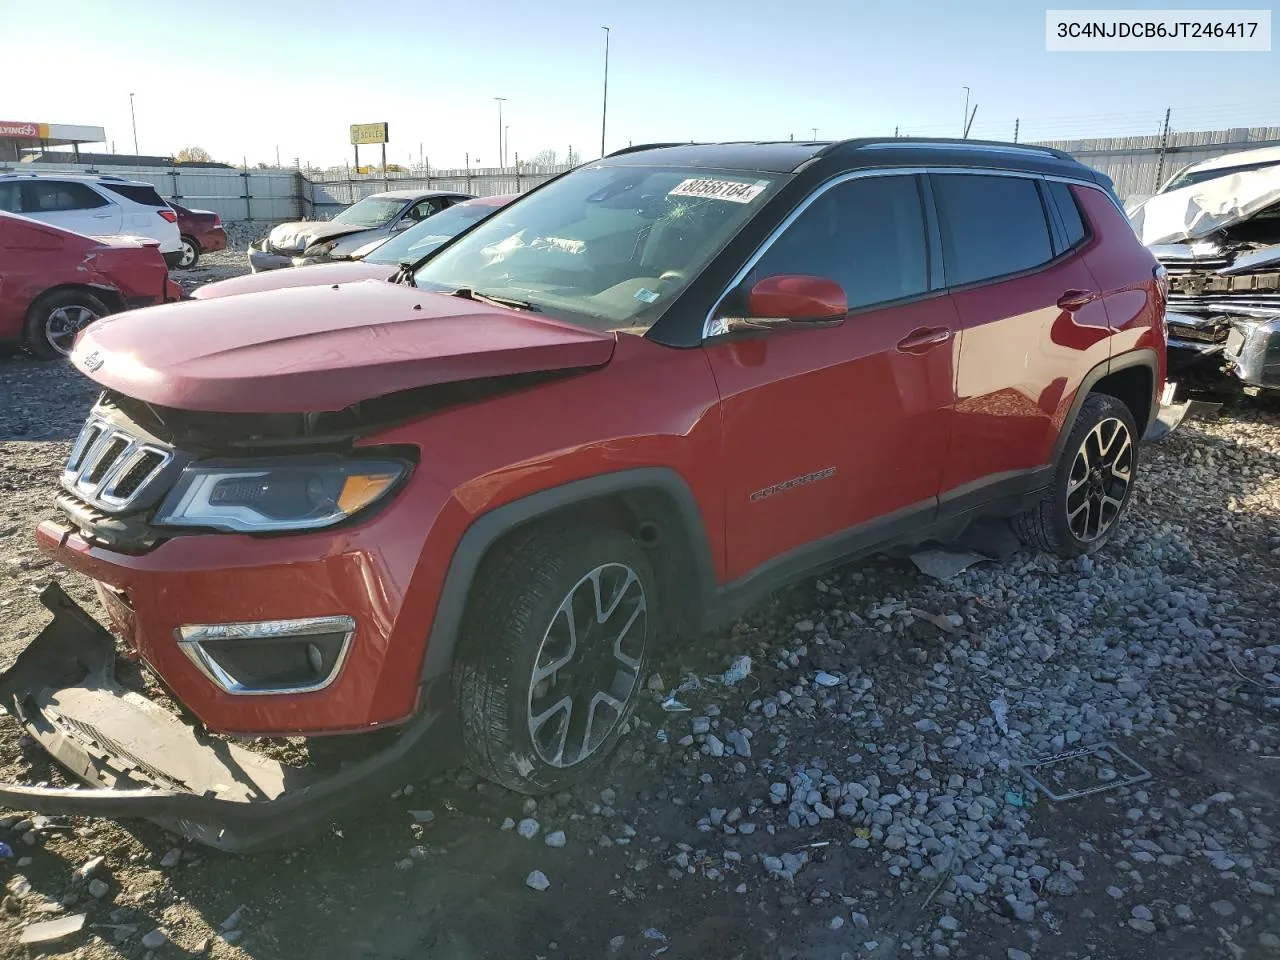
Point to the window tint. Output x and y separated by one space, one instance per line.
9 198
991 226
48 197
138 193
1064 199
867 235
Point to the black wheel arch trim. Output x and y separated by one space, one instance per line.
489 527
1144 357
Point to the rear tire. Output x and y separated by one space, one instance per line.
552 655
1092 482
54 320
190 254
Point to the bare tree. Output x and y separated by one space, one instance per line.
193 155
543 158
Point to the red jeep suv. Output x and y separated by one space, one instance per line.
618 409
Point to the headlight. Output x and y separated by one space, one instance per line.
320 249
289 493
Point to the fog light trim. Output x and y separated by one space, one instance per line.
191 637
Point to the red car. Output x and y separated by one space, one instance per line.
54 283
621 408
202 232
380 260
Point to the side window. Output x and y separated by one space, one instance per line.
423 209
49 197
868 235
1064 199
991 226
10 198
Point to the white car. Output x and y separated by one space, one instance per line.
97 206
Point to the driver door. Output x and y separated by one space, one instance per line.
834 437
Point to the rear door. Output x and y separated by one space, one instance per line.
1032 323
71 205
833 436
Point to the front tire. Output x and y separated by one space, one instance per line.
552 655
1092 482
54 320
190 254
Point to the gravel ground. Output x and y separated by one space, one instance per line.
856 795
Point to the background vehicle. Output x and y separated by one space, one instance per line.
1215 226
777 356
96 206
54 282
377 216
202 232
378 260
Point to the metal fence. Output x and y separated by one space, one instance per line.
1139 165
273 195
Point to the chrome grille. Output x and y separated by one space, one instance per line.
109 468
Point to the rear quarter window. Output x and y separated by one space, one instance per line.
1072 221
138 193
991 226
52 197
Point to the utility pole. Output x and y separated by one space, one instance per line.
815 132
500 153
134 117
277 155
964 121
1015 130
604 110
506 143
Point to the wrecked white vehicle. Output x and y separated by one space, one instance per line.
1215 226
375 218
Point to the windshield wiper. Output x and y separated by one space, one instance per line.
405 273
466 293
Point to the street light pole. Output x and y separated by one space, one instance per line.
506 143
134 117
500 151
604 112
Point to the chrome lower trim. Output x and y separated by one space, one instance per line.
191 637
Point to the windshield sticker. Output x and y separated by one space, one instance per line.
731 190
646 296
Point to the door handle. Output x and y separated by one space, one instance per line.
1075 299
101 216
924 339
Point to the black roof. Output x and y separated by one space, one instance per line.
788 156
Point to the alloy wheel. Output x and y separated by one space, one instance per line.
188 254
1100 477
588 665
63 323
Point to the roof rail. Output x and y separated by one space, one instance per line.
957 143
644 146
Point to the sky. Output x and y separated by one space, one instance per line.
243 78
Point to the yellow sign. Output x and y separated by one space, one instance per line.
368 133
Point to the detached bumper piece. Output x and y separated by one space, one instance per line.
262 258
140 760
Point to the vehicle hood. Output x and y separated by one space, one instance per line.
296 237
1201 209
307 276
321 348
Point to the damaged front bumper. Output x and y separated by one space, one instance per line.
141 760
1234 349
262 257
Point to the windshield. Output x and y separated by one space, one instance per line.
420 239
1200 176
609 247
370 212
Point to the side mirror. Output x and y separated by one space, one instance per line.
786 299
404 224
